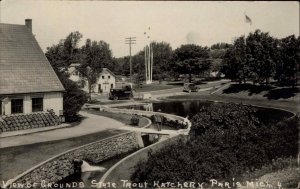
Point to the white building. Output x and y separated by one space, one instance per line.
28 83
105 81
74 74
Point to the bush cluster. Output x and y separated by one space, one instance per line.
226 141
134 120
171 123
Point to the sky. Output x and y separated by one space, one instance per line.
176 22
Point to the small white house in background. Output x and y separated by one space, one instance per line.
28 83
105 81
74 74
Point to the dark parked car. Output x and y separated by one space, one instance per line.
121 93
190 87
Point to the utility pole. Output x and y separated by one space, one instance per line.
130 41
0 11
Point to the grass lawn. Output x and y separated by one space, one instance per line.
283 170
258 95
124 118
288 177
156 87
261 92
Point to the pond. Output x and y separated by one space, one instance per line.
191 107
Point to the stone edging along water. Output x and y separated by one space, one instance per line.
22 177
145 114
158 144
127 160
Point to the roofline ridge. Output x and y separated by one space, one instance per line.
109 71
13 24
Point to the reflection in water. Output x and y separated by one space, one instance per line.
192 107
148 107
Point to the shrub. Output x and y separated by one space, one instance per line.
171 123
134 120
74 98
226 141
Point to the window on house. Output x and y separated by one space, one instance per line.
37 104
103 77
16 106
109 77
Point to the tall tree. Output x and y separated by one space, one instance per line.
60 57
94 56
162 56
138 64
217 54
65 52
288 61
261 55
234 64
191 59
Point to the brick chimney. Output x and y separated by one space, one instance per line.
28 24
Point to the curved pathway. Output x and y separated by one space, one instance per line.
90 124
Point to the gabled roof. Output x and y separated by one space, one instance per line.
108 70
23 66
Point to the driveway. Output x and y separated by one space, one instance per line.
90 124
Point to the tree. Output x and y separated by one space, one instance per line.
234 64
60 57
261 56
287 64
217 54
162 56
218 46
191 59
94 56
73 98
138 66
65 52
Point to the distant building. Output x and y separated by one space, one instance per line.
105 81
74 74
28 83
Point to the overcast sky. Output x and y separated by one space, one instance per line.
202 23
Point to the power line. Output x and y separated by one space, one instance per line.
130 41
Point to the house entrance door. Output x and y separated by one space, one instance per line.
105 88
99 88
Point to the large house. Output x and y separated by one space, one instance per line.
28 83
